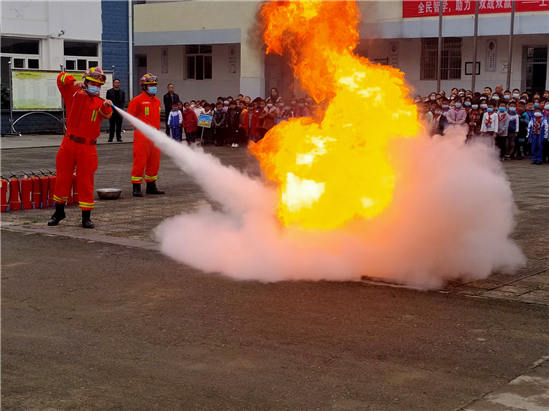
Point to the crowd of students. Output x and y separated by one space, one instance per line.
516 122
235 122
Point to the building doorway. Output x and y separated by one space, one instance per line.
534 60
280 75
140 71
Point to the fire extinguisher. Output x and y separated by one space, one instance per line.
52 180
75 189
36 191
15 203
44 188
4 200
26 192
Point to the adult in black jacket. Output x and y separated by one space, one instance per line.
169 98
118 98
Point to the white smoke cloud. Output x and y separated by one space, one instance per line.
451 217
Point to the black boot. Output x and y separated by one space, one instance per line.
58 215
137 190
86 222
152 189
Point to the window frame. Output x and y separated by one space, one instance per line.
90 61
24 56
451 60
200 57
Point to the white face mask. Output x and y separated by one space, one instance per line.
495 97
280 104
226 103
287 108
483 105
269 105
475 106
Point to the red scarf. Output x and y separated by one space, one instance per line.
489 120
537 125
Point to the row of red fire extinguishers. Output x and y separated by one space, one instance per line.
32 191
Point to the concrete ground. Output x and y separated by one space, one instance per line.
100 320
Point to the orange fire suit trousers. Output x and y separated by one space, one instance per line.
146 160
83 157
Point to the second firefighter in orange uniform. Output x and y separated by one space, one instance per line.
146 156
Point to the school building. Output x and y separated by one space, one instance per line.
75 35
212 48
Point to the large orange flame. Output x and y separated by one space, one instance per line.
332 172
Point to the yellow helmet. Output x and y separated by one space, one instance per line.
148 79
95 74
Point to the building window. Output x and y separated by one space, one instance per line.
80 55
199 62
20 46
450 62
23 53
80 48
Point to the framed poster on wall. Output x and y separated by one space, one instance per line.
491 55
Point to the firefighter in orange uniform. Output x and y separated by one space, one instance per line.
85 110
146 157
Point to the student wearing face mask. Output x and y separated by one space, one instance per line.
502 130
301 109
537 133
270 116
515 95
489 124
85 111
474 120
219 124
438 122
545 141
457 116
467 103
512 129
279 109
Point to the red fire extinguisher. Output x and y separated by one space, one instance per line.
4 201
52 179
75 189
15 203
36 191
26 191
44 189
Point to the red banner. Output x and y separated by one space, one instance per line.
413 8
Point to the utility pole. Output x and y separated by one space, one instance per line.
511 35
475 41
439 55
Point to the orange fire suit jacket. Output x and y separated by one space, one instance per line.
84 113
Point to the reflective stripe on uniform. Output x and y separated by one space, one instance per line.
63 78
87 205
152 178
94 115
146 111
60 199
139 179
105 115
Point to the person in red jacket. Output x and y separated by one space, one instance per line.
190 123
85 110
146 156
